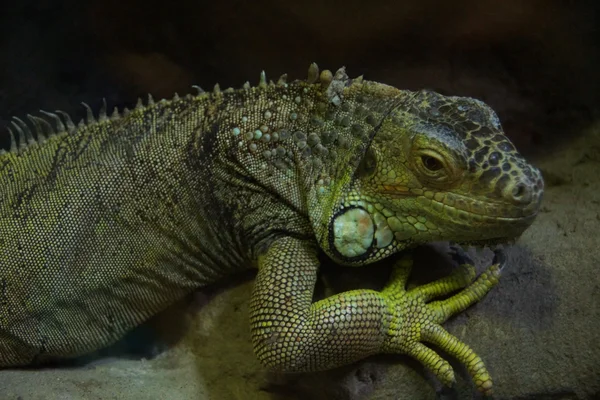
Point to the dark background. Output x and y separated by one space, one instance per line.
535 62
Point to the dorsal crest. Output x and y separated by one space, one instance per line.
38 129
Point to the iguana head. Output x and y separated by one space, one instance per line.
437 169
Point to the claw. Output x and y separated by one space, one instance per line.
459 256
499 258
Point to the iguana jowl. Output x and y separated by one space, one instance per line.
104 224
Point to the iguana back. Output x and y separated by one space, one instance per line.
103 225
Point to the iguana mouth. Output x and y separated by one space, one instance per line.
509 225
473 209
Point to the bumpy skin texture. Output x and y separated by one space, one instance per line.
105 224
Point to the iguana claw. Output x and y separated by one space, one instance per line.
499 258
415 321
460 256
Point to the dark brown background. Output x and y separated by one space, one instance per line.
535 62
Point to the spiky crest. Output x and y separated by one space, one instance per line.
60 122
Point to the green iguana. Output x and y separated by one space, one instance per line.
106 223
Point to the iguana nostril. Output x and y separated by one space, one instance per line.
519 190
521 193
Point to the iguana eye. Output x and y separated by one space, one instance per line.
432 166
431 163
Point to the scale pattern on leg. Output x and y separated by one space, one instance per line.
291 334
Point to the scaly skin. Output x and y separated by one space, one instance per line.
105 224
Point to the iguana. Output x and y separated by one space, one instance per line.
106 223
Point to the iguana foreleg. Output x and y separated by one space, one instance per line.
292 334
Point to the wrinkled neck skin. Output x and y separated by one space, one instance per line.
332 198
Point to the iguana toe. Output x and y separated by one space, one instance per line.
415 321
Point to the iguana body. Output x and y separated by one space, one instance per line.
105 224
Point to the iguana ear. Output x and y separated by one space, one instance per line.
368 164
355 110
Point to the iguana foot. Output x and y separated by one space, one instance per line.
415 321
